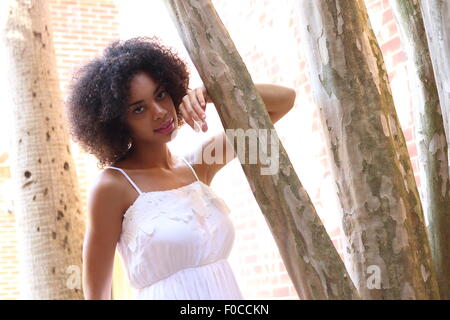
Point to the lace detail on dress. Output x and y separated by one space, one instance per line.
150 206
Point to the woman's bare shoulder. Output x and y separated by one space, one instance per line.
108 192
194 158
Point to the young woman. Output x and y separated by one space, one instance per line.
172 231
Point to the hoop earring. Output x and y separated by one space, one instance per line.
130 144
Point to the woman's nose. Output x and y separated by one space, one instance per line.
159 112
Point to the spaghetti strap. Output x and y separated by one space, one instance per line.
190 167
128 178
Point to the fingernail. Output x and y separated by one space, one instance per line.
196 126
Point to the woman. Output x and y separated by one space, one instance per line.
172 231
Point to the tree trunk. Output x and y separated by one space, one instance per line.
311 260
49 219
429 128
382 213
436 16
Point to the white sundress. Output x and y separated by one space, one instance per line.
175 243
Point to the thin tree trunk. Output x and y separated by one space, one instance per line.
311 260
382 213
429 128
49 219
436 16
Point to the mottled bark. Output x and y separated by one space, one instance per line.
431 139
436 16
311 260
382 214
49 219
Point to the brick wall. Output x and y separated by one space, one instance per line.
267 36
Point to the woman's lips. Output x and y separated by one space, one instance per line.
167 129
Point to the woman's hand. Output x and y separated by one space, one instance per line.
193 107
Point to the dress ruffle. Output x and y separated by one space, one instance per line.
143 214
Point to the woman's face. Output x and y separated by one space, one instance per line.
149 108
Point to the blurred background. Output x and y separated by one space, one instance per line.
266 34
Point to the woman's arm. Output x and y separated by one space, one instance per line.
102 233
277 99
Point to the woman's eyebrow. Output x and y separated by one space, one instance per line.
132 104
140 101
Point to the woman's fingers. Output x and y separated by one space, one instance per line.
196 100
189 113
185 115
200 97
195 104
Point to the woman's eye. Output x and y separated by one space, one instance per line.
134 111
161 95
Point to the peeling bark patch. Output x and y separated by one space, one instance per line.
436 143
425 273
340 24
384 125
408 292
372 204
323 50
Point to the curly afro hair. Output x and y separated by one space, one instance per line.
100 89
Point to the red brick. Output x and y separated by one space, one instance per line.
281 292
249 236
250 259
408 133
284 278
391 45
412 150
88 15
107 5
388 16
336 232
399 57
98 10
417 178
100 33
